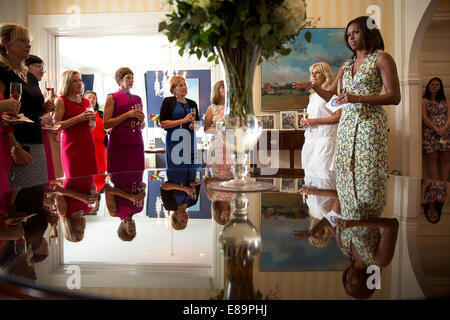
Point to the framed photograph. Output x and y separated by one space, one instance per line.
277 77
300 115
281 214
288 120
288 185
268 121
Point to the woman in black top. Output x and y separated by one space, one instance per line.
180 192
177 117
27 150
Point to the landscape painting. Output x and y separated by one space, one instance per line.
281 214
326 45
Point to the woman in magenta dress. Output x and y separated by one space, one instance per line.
126 199
124 116
77 144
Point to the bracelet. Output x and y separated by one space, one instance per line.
13 149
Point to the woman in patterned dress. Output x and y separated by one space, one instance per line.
218 159
436 133
358 233
361 149
434 195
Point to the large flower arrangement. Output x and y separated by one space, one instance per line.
240 33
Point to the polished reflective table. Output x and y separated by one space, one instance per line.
124 236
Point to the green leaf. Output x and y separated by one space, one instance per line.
308 36
162 26
264 30
211 58
199 54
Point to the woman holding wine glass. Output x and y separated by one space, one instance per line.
27 148
123 114
77 144
35 66
320 126
177 117
362 131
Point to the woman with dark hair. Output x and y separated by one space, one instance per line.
35 66
98 133
362 132
177 118
123 114
358 231
436 133
434 195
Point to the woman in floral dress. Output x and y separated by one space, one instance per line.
361 148
218 158
435 128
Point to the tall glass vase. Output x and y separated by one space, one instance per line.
239 129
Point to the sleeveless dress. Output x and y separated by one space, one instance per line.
361 201
361 159
125 146
179 140
99 141
438 114
130 182
318 151
77 145
218 158
319 206
83 185
362 131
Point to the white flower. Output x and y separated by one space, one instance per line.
294 12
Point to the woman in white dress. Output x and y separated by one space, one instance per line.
320 126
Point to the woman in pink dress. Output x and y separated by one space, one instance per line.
218 158
77 144
124 116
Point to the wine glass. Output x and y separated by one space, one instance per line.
50 89
137 106
15 90
305 113
340 87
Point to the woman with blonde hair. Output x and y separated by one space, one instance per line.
218 158
77 144
25 140
177 117
320 125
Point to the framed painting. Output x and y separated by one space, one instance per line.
288 120
281 214
267 120
327 45
288 185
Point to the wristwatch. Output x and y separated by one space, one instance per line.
14 149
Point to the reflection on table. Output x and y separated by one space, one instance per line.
89 213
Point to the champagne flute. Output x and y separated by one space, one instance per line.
305 113
340 87
50 89
137 106
15 90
